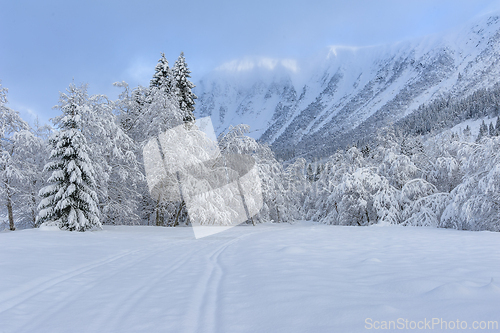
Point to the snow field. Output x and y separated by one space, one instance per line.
269 278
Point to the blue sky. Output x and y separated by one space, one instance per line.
45 45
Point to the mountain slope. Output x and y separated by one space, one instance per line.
345 94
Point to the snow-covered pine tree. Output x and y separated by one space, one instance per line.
467 133
310 173
162 71
187 97
483 131
70 201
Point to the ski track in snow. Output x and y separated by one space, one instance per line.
74 298
204 305
126 304
24 293
121 307
269 278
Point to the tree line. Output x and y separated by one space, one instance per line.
449 180
88 169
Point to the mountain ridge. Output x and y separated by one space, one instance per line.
346 93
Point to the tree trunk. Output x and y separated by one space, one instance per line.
158 222
33 206
177 215
159 212
9 207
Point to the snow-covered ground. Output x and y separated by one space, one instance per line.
269 278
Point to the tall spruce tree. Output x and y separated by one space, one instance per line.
491 130
187 97
70 201
483 131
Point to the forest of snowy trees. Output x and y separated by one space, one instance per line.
88 169
445 112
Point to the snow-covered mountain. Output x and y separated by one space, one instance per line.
345 93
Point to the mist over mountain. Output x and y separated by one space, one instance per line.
344 94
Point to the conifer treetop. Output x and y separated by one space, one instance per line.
162 72
184 85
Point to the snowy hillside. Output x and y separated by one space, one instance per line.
472 124
269 278
345 93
